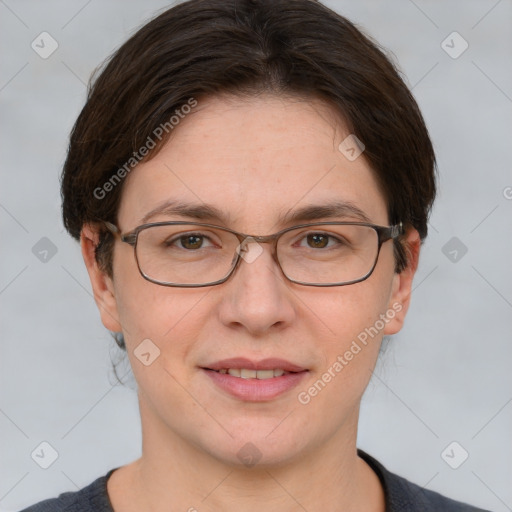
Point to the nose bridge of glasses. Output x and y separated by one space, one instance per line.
261 239
249 248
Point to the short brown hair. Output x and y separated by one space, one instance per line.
206 47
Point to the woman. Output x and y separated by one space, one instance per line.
250 182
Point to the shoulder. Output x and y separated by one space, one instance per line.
92 498
404 496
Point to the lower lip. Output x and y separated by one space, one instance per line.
255 390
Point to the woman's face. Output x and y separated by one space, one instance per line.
253 160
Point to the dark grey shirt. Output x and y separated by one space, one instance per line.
401 496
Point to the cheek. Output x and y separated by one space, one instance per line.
354 328
352 321
166 316
162 329
350 311
146 310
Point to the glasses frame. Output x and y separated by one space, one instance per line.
384 233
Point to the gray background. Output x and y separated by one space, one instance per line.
446 377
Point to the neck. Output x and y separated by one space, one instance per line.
173 474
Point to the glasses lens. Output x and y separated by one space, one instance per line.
328 254
185 254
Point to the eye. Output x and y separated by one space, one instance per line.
320 240
190 241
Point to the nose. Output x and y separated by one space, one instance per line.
257 296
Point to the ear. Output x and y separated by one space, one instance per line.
402 283
102 285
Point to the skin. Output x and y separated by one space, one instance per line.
252 158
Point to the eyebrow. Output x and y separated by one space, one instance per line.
329 210
312 212
192 210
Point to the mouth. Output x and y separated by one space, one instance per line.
255 381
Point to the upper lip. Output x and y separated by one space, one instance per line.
264 364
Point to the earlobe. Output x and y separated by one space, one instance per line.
102 285
402 284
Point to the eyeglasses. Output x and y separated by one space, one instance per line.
190 255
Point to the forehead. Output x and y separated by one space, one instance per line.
256 160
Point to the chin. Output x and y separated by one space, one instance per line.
262 442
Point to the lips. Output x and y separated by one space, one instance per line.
256 381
